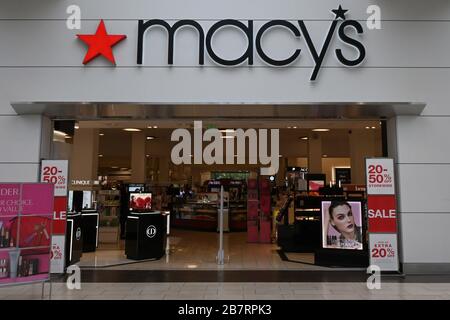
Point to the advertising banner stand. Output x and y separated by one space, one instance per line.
338 250
26 229
56 173
382 214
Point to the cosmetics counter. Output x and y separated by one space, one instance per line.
146 235
202 212
82 234
307 233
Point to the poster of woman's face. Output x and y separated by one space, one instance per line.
341 225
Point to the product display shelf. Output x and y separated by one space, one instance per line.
108 208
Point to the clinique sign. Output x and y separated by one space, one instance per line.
101 43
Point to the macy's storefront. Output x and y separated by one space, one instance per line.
315 88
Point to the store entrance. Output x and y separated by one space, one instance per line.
123 154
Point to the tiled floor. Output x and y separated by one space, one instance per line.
253 272
198 250
232 291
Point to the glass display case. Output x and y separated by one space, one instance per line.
199 212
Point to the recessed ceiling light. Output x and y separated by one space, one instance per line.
147 155
294 127
289 127
123 168
77 126
114 167
100 156
321 130
132 129
155 127
304 138
151 137
101 134
367 127
325 155
373 127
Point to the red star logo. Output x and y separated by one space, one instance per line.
100 43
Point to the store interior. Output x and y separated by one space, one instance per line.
117 166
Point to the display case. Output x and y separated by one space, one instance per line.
108 207
238 216
200 212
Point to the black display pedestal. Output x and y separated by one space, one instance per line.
74 238
342 258
303 236
146 235
90 221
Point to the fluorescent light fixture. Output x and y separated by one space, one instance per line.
59 133
132 129
321 130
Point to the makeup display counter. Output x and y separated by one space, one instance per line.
204 216
89 225
197 216
146 235
74 238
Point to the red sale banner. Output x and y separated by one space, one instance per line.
59 217
382 213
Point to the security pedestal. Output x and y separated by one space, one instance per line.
146 235
74 238
90 221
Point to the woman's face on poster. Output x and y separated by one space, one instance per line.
342 219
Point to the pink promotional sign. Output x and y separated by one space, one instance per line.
26 214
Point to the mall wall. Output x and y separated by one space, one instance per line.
407 61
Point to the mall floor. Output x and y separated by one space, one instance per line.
253 272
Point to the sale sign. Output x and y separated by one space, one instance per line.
382 212
380 176
56 172
384 251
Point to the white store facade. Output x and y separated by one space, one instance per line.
400 73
